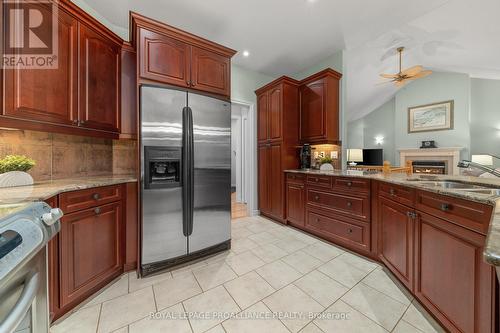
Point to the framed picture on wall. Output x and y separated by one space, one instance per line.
430 117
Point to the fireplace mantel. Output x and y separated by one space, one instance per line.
450 155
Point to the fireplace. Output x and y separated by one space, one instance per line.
449 156
429 167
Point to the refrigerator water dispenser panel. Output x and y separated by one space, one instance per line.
162 166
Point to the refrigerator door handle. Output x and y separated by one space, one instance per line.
187 162
190 167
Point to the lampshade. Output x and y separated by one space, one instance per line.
355 155
483 159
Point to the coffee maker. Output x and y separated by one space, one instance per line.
305 156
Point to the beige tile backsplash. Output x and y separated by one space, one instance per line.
60 156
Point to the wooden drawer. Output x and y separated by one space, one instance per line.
295 177
351 184
472 215
404 195
344 231
352 206
317 180
82 199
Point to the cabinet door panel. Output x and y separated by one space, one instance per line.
395 241
295 204
452 279
210 72
263 179
164 59
90 250
262 117
48 95
312 111
276 182
99 81
275 109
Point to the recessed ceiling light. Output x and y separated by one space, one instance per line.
246 53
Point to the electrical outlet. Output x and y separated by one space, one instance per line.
334 154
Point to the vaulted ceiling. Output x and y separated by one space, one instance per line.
287 36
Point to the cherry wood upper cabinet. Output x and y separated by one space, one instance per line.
48 95
100 72
164 59
210 71
175 57
275 112
129 114
395 239
452 280
319 108
262 117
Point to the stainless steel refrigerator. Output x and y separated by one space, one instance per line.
185 176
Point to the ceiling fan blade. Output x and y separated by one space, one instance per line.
389 76
420 75
413 70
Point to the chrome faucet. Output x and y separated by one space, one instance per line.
467 164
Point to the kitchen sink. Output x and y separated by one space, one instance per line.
460 186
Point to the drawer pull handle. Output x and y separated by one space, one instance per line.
392 191
349 184
96 196
97 211
349 231
349 204
445 207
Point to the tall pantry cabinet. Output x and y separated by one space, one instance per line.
278 138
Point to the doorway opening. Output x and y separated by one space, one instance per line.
241 157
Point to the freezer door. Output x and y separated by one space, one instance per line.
212 172
162 221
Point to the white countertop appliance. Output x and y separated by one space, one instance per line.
24 233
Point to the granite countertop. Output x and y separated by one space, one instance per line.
492 248
12 197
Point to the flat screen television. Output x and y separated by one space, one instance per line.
372 157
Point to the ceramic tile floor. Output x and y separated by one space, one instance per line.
274 279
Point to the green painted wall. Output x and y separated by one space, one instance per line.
485 117
476 117
437 87
244 83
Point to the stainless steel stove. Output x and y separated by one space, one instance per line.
25 231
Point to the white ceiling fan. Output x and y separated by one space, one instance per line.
403 76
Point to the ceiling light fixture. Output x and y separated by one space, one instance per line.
246 53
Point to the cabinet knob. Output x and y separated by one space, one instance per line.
445 207
292 176
316 180
349 184
96 196
316 197
411 215
317 219
349 204
82 122
349 231
392 191
97 211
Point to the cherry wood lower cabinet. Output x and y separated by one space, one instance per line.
430 242
271 181
395 239
97 243
91 251
451 278
295 207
